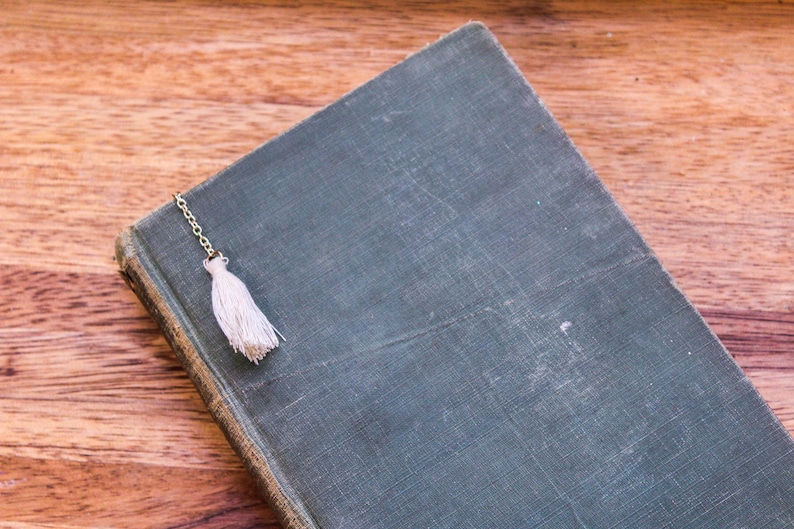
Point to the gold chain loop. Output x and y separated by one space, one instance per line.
205 243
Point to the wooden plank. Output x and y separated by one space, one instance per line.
95 494
106 108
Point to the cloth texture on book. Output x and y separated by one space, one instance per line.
477 336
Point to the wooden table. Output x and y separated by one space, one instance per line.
685 111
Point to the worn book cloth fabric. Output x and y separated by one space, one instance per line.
477 336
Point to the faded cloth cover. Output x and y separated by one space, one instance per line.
477 336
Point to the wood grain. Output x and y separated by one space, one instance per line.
685 110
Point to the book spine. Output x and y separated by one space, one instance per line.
141 275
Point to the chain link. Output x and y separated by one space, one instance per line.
205 243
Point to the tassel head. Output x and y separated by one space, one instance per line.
246 327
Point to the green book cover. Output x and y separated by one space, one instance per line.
477 336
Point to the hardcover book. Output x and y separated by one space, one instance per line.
476 334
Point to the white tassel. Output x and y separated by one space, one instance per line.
248 330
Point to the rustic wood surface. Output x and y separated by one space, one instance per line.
685 111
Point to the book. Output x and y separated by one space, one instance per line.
477 335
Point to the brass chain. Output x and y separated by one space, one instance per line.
205 243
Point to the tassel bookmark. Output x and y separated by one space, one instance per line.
248 330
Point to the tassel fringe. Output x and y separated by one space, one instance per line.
248 330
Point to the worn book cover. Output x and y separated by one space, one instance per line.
477 336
